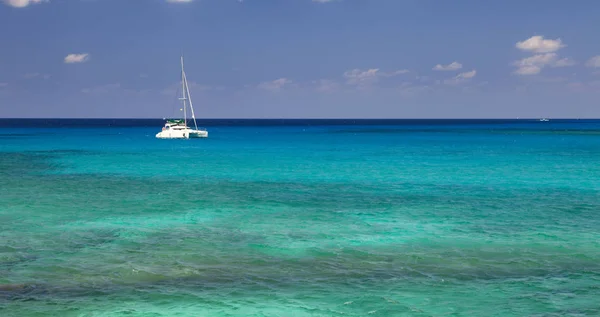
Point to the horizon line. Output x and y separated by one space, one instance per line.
131 118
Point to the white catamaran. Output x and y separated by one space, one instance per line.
178 129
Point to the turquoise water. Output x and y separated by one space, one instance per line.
427 219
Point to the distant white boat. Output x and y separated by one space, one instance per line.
544 120
178 129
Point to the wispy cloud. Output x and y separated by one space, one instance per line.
460 78
369 77
22 3
396 73
202 87
36 75
361 77
326 85
179 1
3 85
77 58
534 64
275 85
194 87
593 62
410 89
112 89
467 75
548 79
449 67
564 62
593 86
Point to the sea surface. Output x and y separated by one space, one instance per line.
300 218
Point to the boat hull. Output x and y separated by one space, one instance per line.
182 134
198 134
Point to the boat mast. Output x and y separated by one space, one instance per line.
183 93
190 97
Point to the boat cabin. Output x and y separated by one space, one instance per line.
174 125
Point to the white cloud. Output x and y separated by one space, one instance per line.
22 3
361 77
544 55
76 58
462 77
593 62
537 44
537 60
534 64
528 70
275 85
451 66
467 75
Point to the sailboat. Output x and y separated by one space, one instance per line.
178 129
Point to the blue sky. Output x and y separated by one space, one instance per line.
301 58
